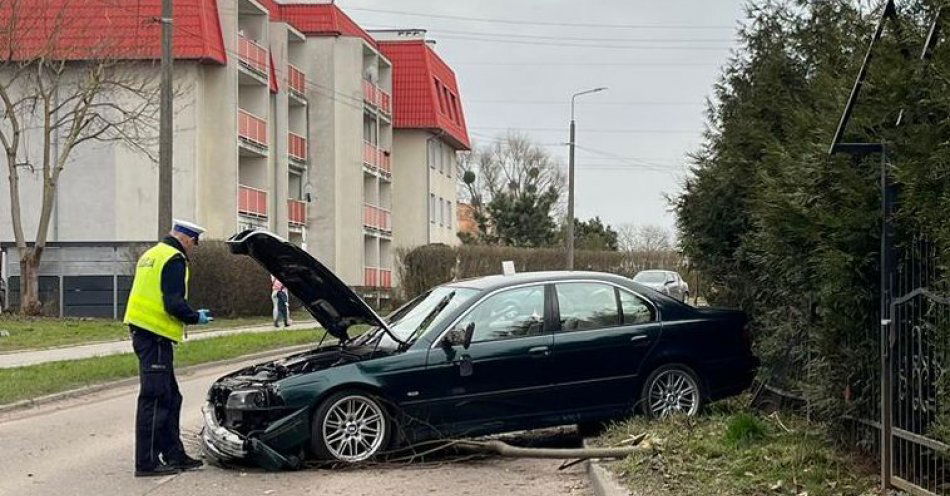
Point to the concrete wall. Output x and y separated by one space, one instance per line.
413 182
108 191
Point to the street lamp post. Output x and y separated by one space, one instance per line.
570 182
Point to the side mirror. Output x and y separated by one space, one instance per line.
454 337
459 337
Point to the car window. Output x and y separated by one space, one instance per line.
586 305
635 309
510 314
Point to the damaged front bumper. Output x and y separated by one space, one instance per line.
279 447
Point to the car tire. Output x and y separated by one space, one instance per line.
350 426
671 389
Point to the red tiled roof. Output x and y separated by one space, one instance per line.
83 29
321 20
425 92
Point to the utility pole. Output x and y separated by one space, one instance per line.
165 124
569 233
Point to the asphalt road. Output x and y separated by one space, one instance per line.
84 446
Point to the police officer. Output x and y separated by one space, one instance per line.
157 313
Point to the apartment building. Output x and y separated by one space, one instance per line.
430 131
289 117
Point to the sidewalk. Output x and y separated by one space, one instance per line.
34 357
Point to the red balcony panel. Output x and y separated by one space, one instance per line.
384 161
252 54
296 212
385 278
297 147
385 102
252 201
252 128
370 217
371 277
369 93
370 154
296 80
385 220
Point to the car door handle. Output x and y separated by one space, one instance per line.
638 337
539 351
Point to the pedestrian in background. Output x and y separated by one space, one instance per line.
281 302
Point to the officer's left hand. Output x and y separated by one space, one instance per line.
204 316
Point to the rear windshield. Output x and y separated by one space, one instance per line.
648 277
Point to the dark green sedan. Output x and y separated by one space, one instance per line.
473 357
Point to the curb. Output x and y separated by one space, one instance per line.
602 480
95 388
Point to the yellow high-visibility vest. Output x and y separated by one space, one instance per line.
146 306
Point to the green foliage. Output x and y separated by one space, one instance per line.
734 452
427 266
230 285
792 235
523 218
593 234
743 429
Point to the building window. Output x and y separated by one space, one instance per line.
455 110
441 212
432 208
430 153
439 89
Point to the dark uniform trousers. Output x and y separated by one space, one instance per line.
159 403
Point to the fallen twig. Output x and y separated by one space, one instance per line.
504 449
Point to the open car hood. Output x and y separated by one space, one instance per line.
335 306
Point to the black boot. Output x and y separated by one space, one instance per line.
187 463
158 471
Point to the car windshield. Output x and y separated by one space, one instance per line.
650 277
424 313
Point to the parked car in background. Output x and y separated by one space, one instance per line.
474 357
667 282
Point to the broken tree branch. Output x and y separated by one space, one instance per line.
504 449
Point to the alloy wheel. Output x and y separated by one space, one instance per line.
673 391
354 428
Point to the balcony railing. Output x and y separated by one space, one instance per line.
376 218
385 278
253 56
252 201
369 93
252 128
297 147
296 80
370 154
385 101
371 277
296 212
384 162
375 96
374 277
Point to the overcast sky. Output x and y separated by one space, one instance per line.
659 60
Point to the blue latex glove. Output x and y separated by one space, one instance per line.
204 316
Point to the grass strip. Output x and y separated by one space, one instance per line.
45 332
737 452
37 380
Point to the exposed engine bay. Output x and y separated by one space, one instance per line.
247 400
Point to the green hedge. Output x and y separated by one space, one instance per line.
230 285
427 266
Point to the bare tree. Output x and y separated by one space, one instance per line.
647 238
65 78
512 164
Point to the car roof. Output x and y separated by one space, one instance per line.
502 281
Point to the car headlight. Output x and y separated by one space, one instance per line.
247 400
